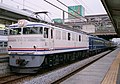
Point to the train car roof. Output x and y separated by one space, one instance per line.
96 37
56 25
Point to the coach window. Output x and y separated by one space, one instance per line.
68 36
79 38
45 32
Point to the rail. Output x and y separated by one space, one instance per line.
4 59
11 78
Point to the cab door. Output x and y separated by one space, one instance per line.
51 39
46 37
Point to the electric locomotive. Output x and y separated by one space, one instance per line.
35 45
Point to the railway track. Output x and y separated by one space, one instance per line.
62 73
8 79
78 70
4 59
13 78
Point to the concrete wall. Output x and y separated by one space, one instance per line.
88 28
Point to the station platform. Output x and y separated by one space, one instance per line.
104 71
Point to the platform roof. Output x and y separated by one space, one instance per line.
14 14
113 9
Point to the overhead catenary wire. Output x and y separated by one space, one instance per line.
37 16
61 9
69 8
36 5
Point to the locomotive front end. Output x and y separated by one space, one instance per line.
24 41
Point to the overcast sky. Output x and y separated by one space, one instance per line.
92 7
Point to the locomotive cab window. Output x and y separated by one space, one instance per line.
15 31
40 30
45 32
31 30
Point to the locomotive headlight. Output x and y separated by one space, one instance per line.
22 23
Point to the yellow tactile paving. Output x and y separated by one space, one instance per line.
111 76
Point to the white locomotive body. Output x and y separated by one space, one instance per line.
32 45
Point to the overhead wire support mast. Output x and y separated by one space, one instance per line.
69 8
60 8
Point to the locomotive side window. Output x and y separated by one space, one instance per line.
51 33
58 34
73 36
63 35
79 38
76 37
68 36
45 32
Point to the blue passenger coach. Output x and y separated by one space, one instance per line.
97 44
